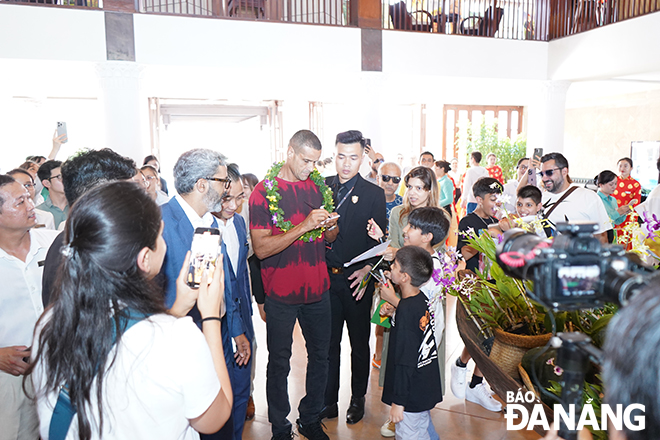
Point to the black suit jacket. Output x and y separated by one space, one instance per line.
366 201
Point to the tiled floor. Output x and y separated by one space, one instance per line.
454 419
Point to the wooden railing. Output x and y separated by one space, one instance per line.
541 20
511 19
332 12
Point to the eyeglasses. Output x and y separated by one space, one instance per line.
523 167
379 161
549 172
140 180
58 177
227 180
387 178
29 186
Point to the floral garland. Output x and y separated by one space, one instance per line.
277 214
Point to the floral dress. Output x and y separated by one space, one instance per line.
628 192
496 173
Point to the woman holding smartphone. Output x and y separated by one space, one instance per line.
131 370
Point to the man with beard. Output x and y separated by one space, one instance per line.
563 202
200 178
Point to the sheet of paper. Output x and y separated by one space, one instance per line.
373 252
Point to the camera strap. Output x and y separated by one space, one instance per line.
64 409
561 199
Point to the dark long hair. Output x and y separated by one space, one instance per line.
98 281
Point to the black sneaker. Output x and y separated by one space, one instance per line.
283 436
312 431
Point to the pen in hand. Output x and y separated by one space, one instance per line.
382 275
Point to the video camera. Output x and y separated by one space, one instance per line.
576 271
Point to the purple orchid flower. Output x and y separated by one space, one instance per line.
268 184
274 218
651 224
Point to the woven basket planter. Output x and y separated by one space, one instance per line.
509 349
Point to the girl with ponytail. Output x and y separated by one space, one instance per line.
130 369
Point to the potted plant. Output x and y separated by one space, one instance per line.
499 306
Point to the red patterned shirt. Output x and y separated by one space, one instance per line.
298 274
628 191
496 173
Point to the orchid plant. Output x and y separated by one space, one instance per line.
502 303
644 238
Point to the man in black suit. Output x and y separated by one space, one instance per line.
356 201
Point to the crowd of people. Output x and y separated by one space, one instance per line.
102 335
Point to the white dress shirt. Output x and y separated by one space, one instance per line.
206 221
230 238
20 296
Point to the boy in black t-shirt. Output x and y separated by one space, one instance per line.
485 191
412 379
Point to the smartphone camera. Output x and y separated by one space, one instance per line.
203 255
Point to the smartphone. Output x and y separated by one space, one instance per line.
61 129
203 254
536 159
531 176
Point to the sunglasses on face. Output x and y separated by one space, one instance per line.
387 178
549 172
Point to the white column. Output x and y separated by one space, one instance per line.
126 111
546 117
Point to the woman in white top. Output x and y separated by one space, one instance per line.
162 378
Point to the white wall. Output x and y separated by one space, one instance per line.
624 48
60 53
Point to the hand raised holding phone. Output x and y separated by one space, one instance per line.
210 299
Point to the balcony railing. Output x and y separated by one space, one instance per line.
331 12
541 20
511 19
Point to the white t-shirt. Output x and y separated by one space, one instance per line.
651 204
581 205
471 176
163 375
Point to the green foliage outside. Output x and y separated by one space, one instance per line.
485 140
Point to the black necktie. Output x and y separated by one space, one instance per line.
341 193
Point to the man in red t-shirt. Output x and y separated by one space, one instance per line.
296 283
